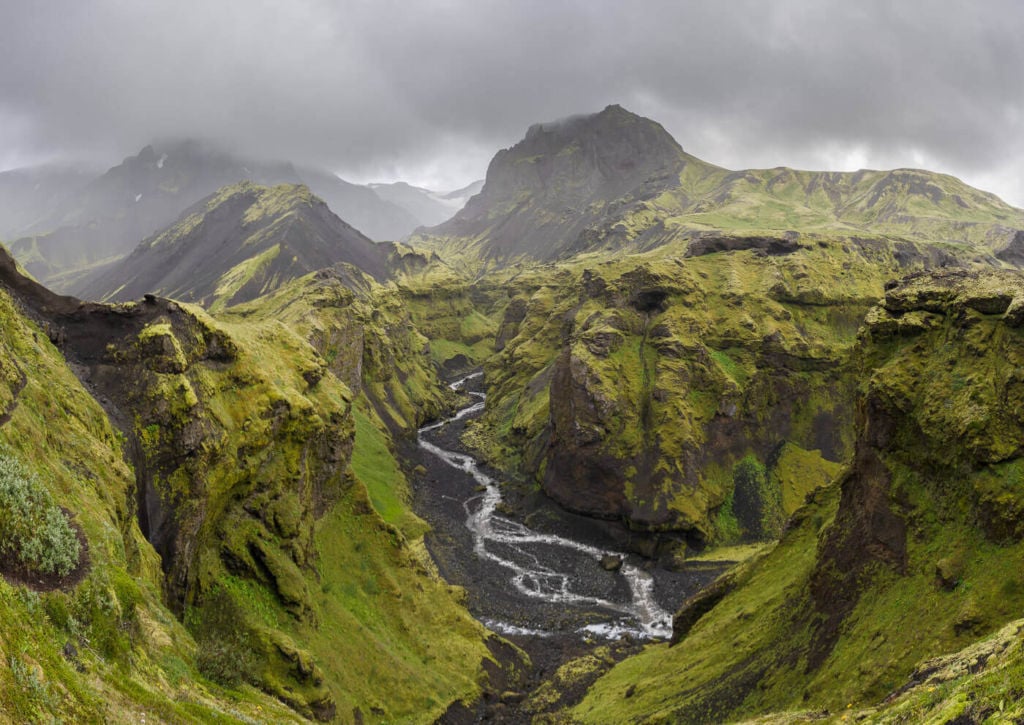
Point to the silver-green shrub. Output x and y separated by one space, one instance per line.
33 529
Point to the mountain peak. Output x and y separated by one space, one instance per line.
583 162
614 123
238 243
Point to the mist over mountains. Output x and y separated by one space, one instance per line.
63 221
465 468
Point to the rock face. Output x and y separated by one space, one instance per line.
543 197
917 553
642 407
946 396
242 242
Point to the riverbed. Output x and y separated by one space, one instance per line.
525 583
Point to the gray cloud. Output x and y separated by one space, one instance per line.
430 90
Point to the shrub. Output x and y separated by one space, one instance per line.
33 529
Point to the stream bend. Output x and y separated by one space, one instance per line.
530 561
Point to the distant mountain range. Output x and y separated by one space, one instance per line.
237 244
615 181
30 196
429 207
61 222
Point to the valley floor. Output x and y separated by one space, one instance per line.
569 643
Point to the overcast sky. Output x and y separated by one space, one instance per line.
428 91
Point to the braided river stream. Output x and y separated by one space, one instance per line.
528 582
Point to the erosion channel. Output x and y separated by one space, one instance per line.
542 586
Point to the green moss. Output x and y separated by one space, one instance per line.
738 372
855 617
374 465
798 472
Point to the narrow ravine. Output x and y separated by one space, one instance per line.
524 582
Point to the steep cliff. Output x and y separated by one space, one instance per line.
257 514
917 553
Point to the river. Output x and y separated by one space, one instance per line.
521 581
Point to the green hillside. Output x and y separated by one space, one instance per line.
617 183
252 560
915 553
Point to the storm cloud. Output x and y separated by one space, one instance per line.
428 91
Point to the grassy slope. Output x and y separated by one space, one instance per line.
370 332
955 481
134 657
345 610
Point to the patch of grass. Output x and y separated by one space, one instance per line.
798 472
732 368
375 466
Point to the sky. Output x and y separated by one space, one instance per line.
428 91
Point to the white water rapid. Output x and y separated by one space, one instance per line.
515 549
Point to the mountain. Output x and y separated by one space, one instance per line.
463 195
541 194
377 218
247 553
429 208
30 195
105 218
615 182
239 243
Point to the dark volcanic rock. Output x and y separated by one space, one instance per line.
599 163
242 242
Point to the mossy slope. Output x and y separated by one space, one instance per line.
106 649
614 181
294 567
238 243
630 389
917 553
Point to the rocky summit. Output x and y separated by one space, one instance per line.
630 438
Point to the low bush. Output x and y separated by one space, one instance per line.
33 528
